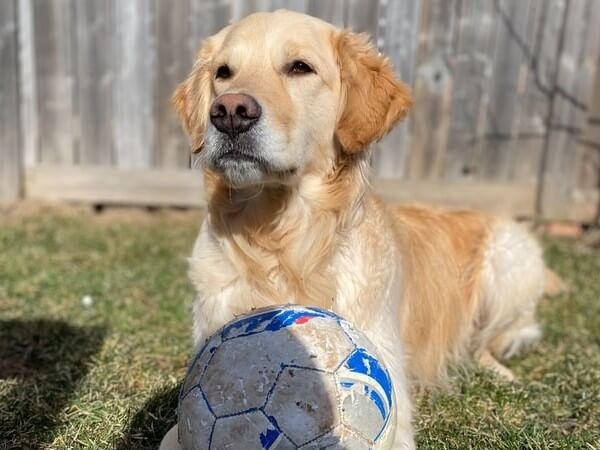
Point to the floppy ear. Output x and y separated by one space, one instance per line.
193 97
373 99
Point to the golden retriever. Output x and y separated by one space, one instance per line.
281 108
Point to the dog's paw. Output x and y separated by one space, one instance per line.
487 361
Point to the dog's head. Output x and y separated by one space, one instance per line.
278 94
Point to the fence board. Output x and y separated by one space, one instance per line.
54 38
333 11
471 64
507 87
10 161
134 48
589 147
241 8
293 5
432 92
363 16
28 107
208 17
173 64
572 93
164 187
503 199
538 48
95 77
397 37
177 188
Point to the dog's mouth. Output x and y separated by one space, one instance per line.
237 156
241 150
242 162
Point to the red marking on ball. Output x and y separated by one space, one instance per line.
302 320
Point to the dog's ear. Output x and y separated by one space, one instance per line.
193 97
373 100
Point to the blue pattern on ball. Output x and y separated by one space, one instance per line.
268 438
277 319
364 363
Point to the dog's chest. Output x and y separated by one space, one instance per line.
219 274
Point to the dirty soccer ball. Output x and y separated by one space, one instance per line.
287 378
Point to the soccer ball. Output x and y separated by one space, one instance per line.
287 378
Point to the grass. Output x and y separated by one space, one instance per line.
106 375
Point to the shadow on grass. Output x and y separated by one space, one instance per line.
151 422
41 365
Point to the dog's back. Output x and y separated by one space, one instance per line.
471 283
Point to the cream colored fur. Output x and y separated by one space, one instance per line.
427 286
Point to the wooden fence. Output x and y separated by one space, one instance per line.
506 116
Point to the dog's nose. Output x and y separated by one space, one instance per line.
234 113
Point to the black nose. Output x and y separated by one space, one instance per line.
234 113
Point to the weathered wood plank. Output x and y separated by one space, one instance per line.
293 5
397 38
398 35
54 39
471 63
184 188
507 87
363 16
572 94
333 11
539 48
10 151
173 65
207 18
589 150
433 91
164 187
94 82
589 143
241 8
28 106
504 199
134 46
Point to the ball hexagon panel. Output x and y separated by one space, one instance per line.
248 431
304 404
358 339
340 438
360 410
240 374
329 345
198 365
282 443
195 429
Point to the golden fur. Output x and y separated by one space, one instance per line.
426 285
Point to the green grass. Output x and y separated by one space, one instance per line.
107 375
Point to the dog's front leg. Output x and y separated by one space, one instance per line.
387 341
210 313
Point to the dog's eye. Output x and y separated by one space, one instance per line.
299 68
223 72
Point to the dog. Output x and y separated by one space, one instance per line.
281 109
